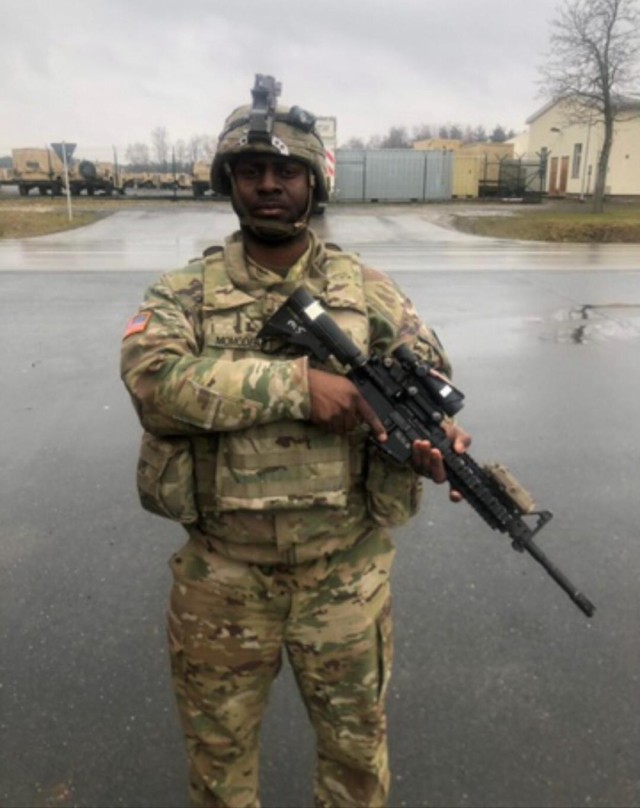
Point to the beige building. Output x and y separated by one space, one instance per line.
475 165
434 143
573 150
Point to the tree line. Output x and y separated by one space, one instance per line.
398 137
593 64
163 155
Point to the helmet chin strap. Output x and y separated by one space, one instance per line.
265 230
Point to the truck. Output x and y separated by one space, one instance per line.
92 177
6 175
200 178
39 169
43 170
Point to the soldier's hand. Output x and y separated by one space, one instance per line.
428 461
336 405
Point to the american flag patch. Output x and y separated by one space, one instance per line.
137 324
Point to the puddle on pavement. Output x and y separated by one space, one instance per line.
597 323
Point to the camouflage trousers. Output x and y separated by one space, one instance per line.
228 624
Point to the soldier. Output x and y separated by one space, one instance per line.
265 459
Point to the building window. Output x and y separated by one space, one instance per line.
577 161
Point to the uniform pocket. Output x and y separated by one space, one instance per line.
393 492
165 478
283 465
385 649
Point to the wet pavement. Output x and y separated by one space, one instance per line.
503 693
407 238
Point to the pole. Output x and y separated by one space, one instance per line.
175 178
66 179
116 170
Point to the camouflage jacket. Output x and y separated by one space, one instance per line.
195 395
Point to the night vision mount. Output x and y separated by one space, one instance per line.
263 114
263 111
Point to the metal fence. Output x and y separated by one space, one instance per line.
512 177
393 175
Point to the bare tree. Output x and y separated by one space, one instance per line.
183 154
193 148
422 132
208 146
137 156
161 148
397 138
593 63
354 143
201 148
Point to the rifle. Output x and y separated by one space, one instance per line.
412 402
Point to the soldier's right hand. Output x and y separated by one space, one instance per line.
336 405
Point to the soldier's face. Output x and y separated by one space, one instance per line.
272 188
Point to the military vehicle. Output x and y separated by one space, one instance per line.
39 169
6 176
43 170
98 177
200 179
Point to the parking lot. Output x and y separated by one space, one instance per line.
503 693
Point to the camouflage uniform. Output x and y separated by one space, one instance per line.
304 572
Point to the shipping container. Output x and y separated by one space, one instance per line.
393 175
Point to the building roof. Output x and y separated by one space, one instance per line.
539 113
624 102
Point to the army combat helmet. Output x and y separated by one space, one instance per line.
266 128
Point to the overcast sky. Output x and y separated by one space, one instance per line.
104 73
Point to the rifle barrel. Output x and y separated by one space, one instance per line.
581 601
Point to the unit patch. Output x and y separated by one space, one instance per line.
137 323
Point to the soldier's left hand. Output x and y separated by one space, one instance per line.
428 461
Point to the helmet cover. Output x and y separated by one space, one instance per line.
293 135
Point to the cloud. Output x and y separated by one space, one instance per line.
106 72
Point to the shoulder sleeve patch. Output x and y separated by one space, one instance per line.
137 323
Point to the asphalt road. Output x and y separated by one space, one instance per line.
503 693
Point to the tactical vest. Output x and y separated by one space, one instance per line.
287 489
286 464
